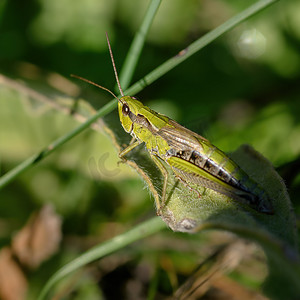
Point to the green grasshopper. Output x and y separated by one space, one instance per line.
192 158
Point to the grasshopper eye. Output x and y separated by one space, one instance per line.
125 110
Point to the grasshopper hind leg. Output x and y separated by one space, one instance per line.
161 203
188 186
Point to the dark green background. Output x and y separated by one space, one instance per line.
229 95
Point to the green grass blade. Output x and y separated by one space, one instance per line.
138 232
199 44
136 47
31 161
138 86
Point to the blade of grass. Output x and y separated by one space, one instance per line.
34 159
138 86
136 47
138 232
198 45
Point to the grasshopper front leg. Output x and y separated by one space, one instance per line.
130 147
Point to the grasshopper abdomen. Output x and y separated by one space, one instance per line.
223 176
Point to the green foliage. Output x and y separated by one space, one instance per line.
241 89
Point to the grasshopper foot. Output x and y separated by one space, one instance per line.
121 161
158 212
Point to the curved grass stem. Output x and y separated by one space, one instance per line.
138 232
138 86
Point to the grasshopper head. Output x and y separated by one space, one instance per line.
128 109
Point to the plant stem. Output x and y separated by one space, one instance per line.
31 161
138 232
198 45
136 47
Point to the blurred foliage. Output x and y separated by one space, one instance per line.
243 88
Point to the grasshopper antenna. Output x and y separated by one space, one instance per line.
116 75
114 66
97 85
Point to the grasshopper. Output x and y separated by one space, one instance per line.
191 157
